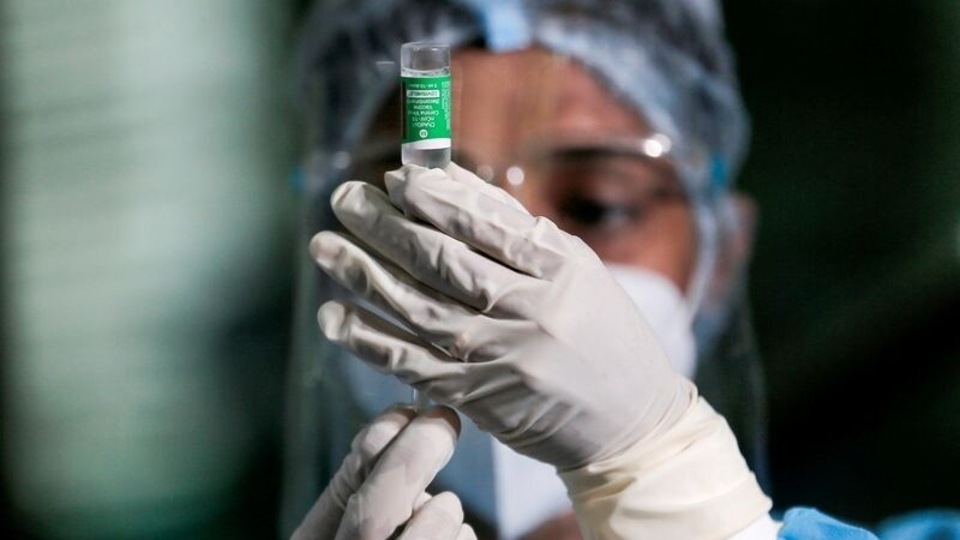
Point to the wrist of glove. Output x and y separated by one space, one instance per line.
493 311
688 480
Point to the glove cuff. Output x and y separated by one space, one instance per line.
688 481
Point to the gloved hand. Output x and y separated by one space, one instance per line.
380 485
519 326
515 323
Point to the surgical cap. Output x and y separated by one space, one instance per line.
668 59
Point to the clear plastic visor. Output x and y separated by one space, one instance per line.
542 127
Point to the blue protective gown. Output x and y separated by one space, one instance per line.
811 524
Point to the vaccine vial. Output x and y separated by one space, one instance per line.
426 97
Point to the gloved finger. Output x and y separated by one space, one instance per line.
440 320
533 245
440 518
387 499
459 174
415 362
385 347
466 532
430 256
323 519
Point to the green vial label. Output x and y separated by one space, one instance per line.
426 111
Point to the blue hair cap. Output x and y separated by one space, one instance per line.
505 25
718 173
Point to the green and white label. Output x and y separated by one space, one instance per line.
426 112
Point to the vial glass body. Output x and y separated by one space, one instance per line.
426 107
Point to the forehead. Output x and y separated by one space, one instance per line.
502 99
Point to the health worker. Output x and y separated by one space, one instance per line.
572 284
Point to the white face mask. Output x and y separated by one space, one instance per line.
514 492
665 309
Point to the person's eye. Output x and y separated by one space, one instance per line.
596 213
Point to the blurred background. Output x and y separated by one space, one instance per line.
147 149
855 164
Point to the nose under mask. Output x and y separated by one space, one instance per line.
513 492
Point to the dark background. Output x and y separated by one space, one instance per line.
855 285
855 165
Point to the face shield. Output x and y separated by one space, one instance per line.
620 124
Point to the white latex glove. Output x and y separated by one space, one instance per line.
381 484
520 327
